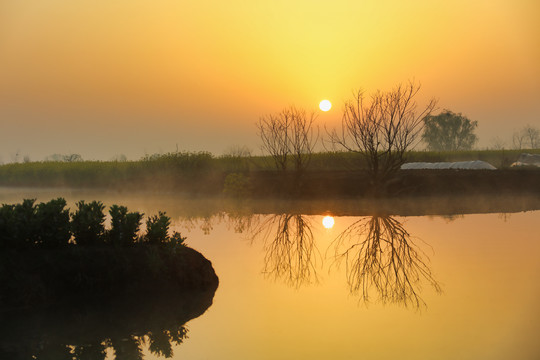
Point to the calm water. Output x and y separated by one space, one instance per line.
370 287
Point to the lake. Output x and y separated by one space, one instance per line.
372 285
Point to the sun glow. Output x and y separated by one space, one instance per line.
325 105
328 222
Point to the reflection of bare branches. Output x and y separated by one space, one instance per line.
242 223
453 217
379 254
205 223
290 251
504 216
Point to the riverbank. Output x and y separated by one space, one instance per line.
328 175
314 184
356 184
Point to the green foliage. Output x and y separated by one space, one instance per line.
160 343
95 351
54 351
25 226
88 223
186 161
176 242
23 230
52 224
124 226
237 158
237 185
449 131
161 173
127 349
7 227
157 228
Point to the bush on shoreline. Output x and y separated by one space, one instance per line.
49 256
50 225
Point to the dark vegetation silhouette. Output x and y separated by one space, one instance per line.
449 131
383 263
124 325
329 175
382 129
48 256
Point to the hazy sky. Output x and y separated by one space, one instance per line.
106 77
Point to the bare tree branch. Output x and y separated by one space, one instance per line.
382 128
289 136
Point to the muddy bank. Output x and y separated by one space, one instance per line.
347 184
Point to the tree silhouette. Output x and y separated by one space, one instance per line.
94 351
449 131
382 129
288 136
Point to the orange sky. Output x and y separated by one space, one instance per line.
102 78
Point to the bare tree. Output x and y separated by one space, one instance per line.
518 138
532 136
289 136
382 128
497 143
527 137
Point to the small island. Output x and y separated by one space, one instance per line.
51 257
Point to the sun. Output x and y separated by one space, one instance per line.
328 222
325 105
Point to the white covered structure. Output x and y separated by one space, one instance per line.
528 160
469 165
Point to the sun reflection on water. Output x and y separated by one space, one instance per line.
328 222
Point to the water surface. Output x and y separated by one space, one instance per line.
374 286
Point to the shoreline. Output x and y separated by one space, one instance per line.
179 205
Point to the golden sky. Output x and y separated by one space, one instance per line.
105 77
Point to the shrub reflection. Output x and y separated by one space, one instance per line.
123 326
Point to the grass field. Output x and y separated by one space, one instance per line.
203 172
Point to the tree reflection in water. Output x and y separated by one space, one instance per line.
155 321
380 255
290 251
